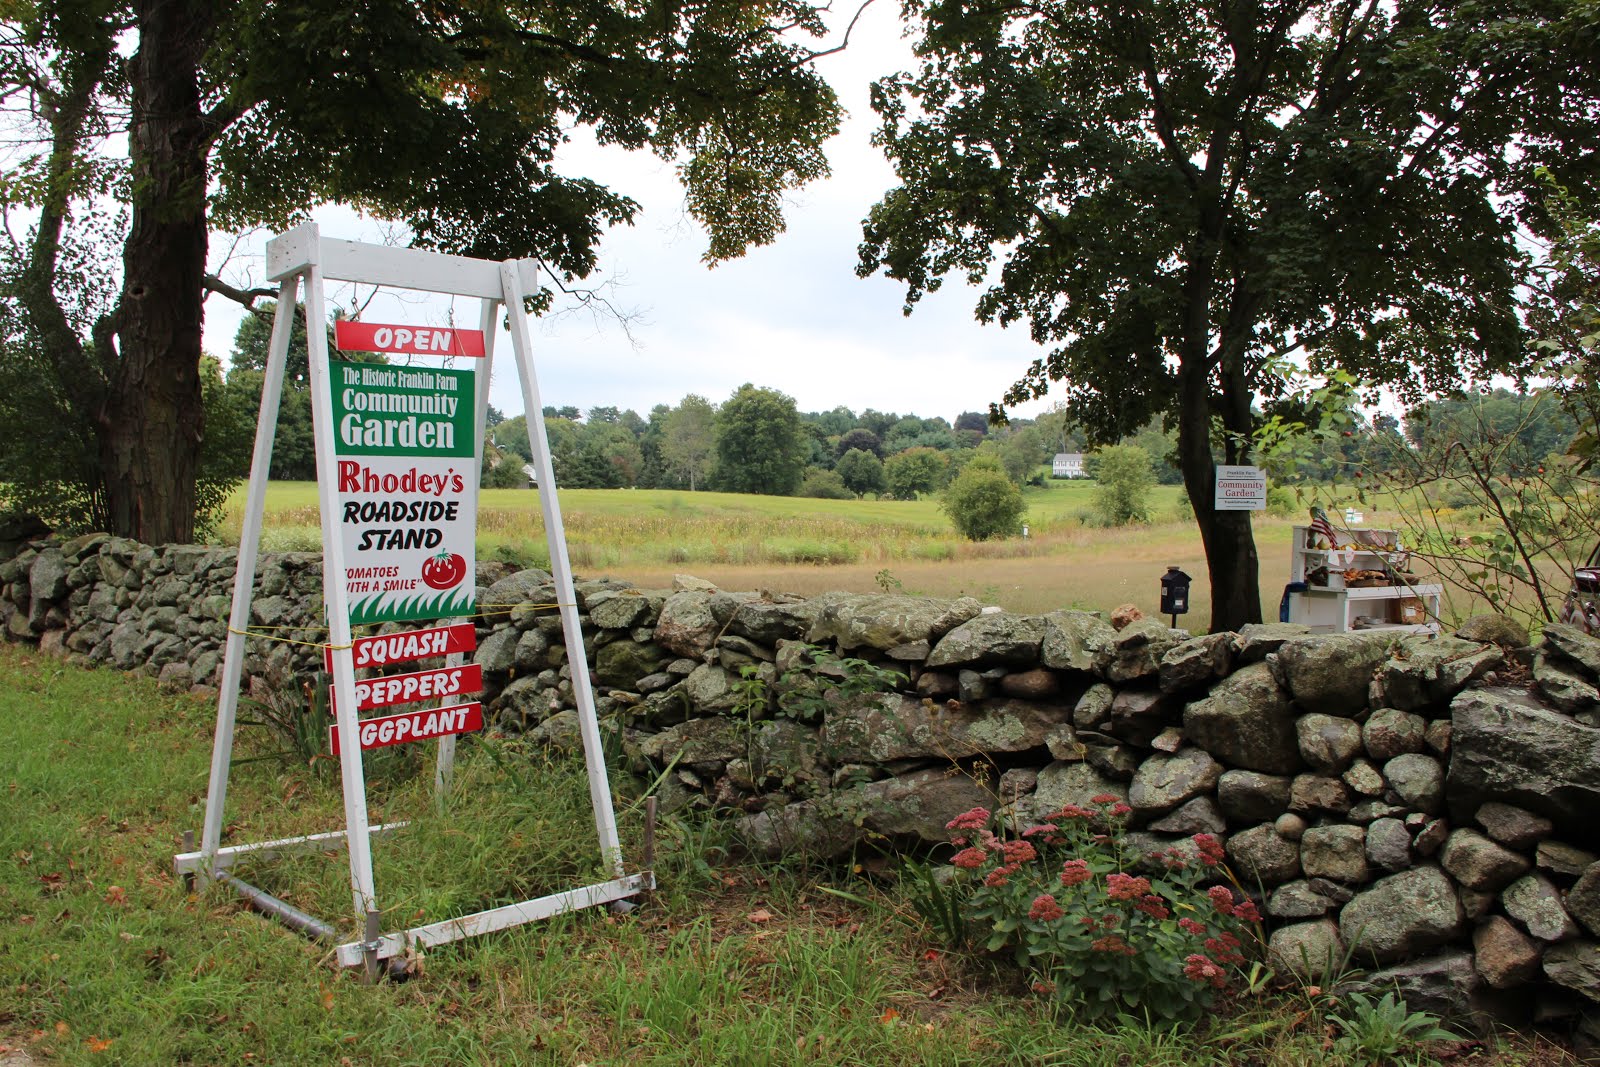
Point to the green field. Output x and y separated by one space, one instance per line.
805 545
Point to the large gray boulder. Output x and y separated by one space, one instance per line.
1564 690
1248 797
1505 956
1063 783
523 587
1136 651
1328 742
47 576
770 620
1478 863
1262 855
1332 672
1445 985
1402 915
881 727
1257 640
686 626
1583 899
1427 672
1310 951
697 741
1196 662
1163 782
1575 965
1001 638
1073 640
621 609
916 805
884 621
1246 722
1573 645
1535 902
1506 747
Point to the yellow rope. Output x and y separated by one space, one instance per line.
259 631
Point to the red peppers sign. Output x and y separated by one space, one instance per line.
405 483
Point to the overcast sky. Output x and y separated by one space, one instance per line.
792 315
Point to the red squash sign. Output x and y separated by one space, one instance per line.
388 649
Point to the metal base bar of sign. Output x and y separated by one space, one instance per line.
354 954
223 858
281 910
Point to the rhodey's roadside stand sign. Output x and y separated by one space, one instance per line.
403 438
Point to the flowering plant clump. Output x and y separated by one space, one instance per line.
1100 939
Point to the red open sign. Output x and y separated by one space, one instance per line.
406 340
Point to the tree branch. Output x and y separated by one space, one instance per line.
248 297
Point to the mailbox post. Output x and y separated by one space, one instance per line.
1175 594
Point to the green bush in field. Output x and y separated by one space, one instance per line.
862 472
1281 502
1126 478
824 484
916 470
982 501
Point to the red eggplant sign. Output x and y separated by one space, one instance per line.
426 725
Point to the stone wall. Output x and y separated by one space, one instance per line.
1429 803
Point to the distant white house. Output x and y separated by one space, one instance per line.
532 473
1067 465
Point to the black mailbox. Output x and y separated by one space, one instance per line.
1175 593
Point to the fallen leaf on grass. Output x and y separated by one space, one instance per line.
116 896
760 915
327 999
94 1044
62 1029
889 1015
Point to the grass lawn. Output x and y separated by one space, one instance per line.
105 958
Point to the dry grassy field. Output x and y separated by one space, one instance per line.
803 545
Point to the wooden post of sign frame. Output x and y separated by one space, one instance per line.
303 259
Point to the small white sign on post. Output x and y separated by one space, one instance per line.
1241 489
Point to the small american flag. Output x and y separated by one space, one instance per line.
1321 527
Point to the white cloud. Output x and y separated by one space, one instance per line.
792 316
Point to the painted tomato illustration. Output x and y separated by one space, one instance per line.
444 570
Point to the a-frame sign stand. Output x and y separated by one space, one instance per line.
303 259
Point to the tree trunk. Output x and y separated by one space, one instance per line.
154 419
1231 563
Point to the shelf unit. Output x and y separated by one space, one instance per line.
1332 607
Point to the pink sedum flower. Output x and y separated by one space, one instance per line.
1211 853
969 859
1221 899
1075 872
1121 886
975 819
1045 909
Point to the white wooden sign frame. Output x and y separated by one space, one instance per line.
303 258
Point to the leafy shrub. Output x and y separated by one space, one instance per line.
1280 501
1100 940
1126 478
825 484
1376 1031
982 502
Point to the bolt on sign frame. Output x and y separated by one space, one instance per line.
302 257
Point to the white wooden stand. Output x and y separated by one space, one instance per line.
1334 607
299 258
